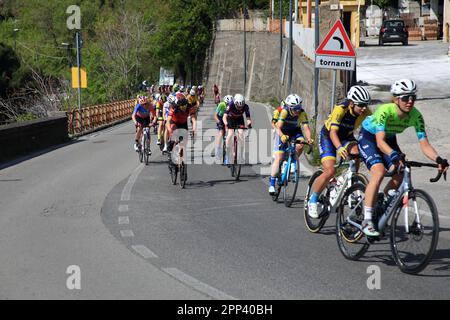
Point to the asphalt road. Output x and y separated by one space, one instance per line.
136 236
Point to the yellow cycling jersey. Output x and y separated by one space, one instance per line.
344 120
192 100
292 122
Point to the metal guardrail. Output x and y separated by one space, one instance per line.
95 117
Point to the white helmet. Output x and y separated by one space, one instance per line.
192 92
403 86
239 100
171 99
294 102
358 94
227 99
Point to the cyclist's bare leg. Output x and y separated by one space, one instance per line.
219 139
376 177
276 163
394 183
138 135
328 173
240 146
353 149
229 145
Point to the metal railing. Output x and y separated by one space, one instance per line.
95 117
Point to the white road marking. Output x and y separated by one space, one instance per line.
197 284
127 233
145 252
123 208
126 192
124 220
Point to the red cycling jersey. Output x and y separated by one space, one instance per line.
179 116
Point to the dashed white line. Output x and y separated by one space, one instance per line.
127 233
126 192
124 220
145 252
197 284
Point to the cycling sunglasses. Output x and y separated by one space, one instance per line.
407 97
362 105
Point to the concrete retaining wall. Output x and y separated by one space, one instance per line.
264 69
21 138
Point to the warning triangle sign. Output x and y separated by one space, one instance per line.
336 43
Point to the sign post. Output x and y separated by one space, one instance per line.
336 52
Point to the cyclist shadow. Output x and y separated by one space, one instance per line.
209 184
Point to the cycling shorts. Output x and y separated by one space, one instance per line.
220 124
144 122
235 123
326 146
174 126
280 147
369 151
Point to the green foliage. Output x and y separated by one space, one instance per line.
124 42
26 117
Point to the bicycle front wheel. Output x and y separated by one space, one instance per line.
414 232
146 150
173 173
350 238
315 225
290 189
183 175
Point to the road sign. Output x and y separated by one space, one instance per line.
75 78
336 51
336 43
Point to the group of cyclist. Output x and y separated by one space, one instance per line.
377 143
169 107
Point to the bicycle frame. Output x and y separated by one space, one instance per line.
291 158
348 175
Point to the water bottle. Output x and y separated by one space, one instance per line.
392 193
292 168
339 183
333 192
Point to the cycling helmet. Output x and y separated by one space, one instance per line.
192 92
182 88
239 100
358 95
227 99
403 86
194 88
163 98
294 102
180 99
156 97
143 100
171 99
176 87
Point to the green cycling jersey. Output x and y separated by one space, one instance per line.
386 119
221 108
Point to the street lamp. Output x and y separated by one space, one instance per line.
15 37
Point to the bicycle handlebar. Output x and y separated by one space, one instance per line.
351 156
418 165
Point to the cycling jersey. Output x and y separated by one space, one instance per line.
166 108
276 114
292 123
192 100
234 113
179 116
385 119
221 108
141 112
344 120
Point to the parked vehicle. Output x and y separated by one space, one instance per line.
393 31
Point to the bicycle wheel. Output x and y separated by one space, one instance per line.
414 235
290 190
141 154
183 175
359 177
146 150
233 166
350 239
224 150
278 185
315 225
173 172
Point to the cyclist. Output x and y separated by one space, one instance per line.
276 114
142 118
178 118
218 117
193 100
160 116
379 148
337 137
216 94
201 94
166 108
233 118
289 128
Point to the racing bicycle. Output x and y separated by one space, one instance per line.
410 215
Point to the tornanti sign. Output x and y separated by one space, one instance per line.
336 51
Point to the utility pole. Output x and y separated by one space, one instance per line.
245 50
15 38
316 70
78 40
291 50
281 31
